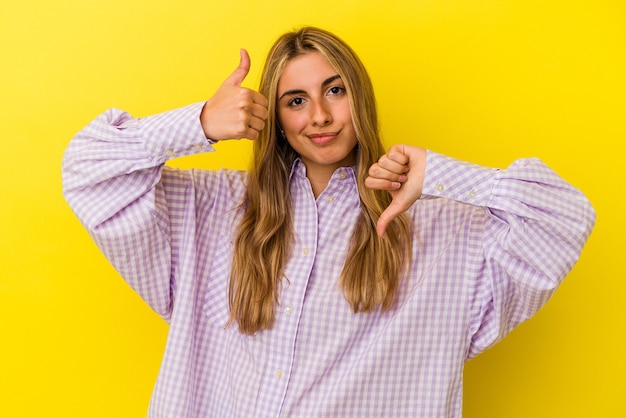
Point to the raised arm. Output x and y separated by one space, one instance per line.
115 180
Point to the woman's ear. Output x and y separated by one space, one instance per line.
282 131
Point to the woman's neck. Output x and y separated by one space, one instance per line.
319 179
319 175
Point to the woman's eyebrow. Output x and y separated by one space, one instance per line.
330 80
325 83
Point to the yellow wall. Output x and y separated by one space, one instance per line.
485 80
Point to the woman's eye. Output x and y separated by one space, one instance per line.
295 101
336 90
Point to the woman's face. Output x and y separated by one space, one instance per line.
314 112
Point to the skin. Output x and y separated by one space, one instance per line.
314 112
235 112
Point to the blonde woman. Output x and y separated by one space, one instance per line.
332 278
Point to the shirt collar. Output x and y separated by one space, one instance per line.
298 170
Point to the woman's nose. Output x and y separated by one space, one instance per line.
321 114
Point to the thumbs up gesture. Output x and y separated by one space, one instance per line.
401 172
235 112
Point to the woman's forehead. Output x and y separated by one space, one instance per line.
306 70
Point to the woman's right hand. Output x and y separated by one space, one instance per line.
235 112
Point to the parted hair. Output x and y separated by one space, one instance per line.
374 267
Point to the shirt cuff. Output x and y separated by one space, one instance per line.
458 180
175 133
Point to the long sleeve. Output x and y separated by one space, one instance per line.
533 226
112 179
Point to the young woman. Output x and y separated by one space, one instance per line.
332 278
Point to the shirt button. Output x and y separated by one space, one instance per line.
279 374
289 310
472 194
330 199
170 152
342 175
305 251
440 187
197 147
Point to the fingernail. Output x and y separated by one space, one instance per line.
395 185
403 178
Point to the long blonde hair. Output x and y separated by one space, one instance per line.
374 266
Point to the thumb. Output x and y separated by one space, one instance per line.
388 215
240 73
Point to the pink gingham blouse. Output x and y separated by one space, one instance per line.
491 247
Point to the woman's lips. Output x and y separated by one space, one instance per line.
323 138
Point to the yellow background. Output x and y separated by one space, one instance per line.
484 80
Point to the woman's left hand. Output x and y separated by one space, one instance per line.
401 172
